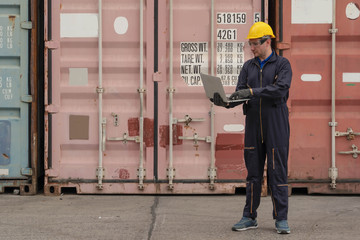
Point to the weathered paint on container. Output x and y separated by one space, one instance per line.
72 95
305 40
72 139
18 89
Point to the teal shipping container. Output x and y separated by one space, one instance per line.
18 155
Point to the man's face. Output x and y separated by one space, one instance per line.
259 47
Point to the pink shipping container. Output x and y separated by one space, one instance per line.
126 111
324 97
108 105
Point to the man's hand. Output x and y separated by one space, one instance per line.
218 101
242 93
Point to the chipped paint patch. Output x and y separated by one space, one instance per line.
229 154
164 135
122 173
133 128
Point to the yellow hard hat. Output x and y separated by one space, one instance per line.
260 29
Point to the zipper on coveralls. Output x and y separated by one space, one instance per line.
261 127
273 155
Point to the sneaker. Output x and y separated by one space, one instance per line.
245 224
282 227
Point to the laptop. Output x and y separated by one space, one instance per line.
213 84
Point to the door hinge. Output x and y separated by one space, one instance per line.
52 44
51 108
26 98
26 25
283 45
26 172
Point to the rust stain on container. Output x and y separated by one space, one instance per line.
133 128
12 20
229 154
122 173
164 135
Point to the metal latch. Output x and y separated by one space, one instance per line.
125 138
116 119
350 134
26 25
187 119
196 138
355 152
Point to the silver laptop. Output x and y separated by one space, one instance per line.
213 84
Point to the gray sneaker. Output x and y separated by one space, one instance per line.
245 224
282 227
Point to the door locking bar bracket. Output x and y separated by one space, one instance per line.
355 152
187 120
170 173
212 176
141 174
350 134
141 90
196 138
125 138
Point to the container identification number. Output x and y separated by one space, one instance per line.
8 41
231 18
6 88
226 34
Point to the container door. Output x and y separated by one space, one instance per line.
14 92
305 39
99 95
201 145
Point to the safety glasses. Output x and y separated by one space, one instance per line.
257 43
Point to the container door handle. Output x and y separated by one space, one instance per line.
355 152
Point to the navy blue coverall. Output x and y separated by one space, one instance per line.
267 131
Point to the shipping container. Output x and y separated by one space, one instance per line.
125 110
19 162
116 74
321 40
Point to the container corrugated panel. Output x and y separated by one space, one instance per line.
76 134
194 51
15 95
73 90
307 43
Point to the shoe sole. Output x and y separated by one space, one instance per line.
244 229
282 231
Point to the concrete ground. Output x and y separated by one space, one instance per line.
171 217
